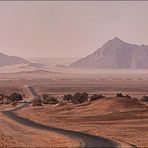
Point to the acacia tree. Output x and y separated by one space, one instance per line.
2 96
16 97
45 96
79 97
67 97
96 97
85 96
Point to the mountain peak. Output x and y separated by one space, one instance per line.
116 38
115 42
114 54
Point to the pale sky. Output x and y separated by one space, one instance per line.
69 29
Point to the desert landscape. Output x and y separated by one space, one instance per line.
73 74
122 119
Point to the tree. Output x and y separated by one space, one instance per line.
79 97
52 100
96 97
85 96
16 97
76 99
45 96
2 96
67 97
49 100
119 95
128 96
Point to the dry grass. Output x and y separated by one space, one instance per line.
111 118
13 134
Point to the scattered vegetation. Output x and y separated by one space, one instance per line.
2 96
68 98
119 95
79 98
47 99
45 96
14 97
128 96
96 97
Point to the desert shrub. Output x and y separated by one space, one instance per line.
119 95
128 96
50 100
144 98
85 96
67 97
36 102
96 97
79 97
7 100
2 96
16 97
45 96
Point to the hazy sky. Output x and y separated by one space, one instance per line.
75 29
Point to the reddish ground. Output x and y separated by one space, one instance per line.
117 119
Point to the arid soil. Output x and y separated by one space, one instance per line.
13 134
114 118
124 121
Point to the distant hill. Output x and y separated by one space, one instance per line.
38 72
31 74
10 60
116 54
6 60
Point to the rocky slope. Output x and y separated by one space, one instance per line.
116 54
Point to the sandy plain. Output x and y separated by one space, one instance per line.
121 120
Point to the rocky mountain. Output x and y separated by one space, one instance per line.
116 54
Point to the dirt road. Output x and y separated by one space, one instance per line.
86 140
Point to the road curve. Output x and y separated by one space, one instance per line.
87 140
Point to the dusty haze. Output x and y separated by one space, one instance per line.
68 29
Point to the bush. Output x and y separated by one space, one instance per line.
96 97
2 96
45 96
119 95
15 97
79 97
128 96
144 98
67 98
50 100
85 96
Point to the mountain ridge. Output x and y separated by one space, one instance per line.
116 54
10 60
6 60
